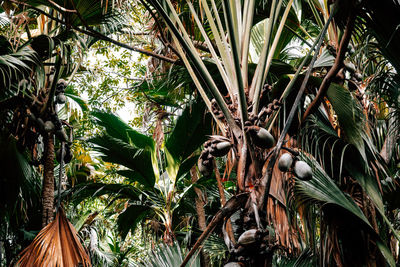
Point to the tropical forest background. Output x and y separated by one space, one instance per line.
199 133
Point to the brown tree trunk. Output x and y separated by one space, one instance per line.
48 181
201 215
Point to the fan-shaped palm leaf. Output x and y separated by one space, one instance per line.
56 245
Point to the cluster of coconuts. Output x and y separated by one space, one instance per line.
215 109
217 146
266 111
300 168
54 125
60 90
249 242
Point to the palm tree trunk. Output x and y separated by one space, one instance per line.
48 181
201 217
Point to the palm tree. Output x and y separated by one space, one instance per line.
233 94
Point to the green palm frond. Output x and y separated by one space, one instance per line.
167 256
323 191
16 66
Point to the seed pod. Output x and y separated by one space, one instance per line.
61 85
233 264
40 123
32 116
67 154
389 180
285 162
61 135
350 49
350 67
221 149
263 139
48 126
205 168
302 170
276 102
61 99
249 237
358 76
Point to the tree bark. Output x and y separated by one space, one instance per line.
48 181
201 215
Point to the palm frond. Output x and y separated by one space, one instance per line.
167 256
56 245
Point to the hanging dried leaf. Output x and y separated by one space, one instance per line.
56 245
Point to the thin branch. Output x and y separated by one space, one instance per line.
62 8
233 204
335 68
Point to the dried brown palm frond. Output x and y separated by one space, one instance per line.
56 245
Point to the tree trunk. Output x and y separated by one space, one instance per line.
201 217
48 181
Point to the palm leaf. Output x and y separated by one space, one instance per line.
56 245
167 256
321 189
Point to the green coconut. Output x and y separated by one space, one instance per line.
67 154
358 76
48 126
248 237
285 162
40 122
302 170
233 264
62 135
263 139
205 167
61 99
220 149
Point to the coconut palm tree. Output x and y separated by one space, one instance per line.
233 92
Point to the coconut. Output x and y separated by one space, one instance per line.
302 170
285 162
61 85
205 168
350 67
61 99
248 237
358 76
221 149
389 180
67 154
48 126
32 116
40 123
61 135
233 264
350 49
263 139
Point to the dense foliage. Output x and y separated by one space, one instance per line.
199 133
